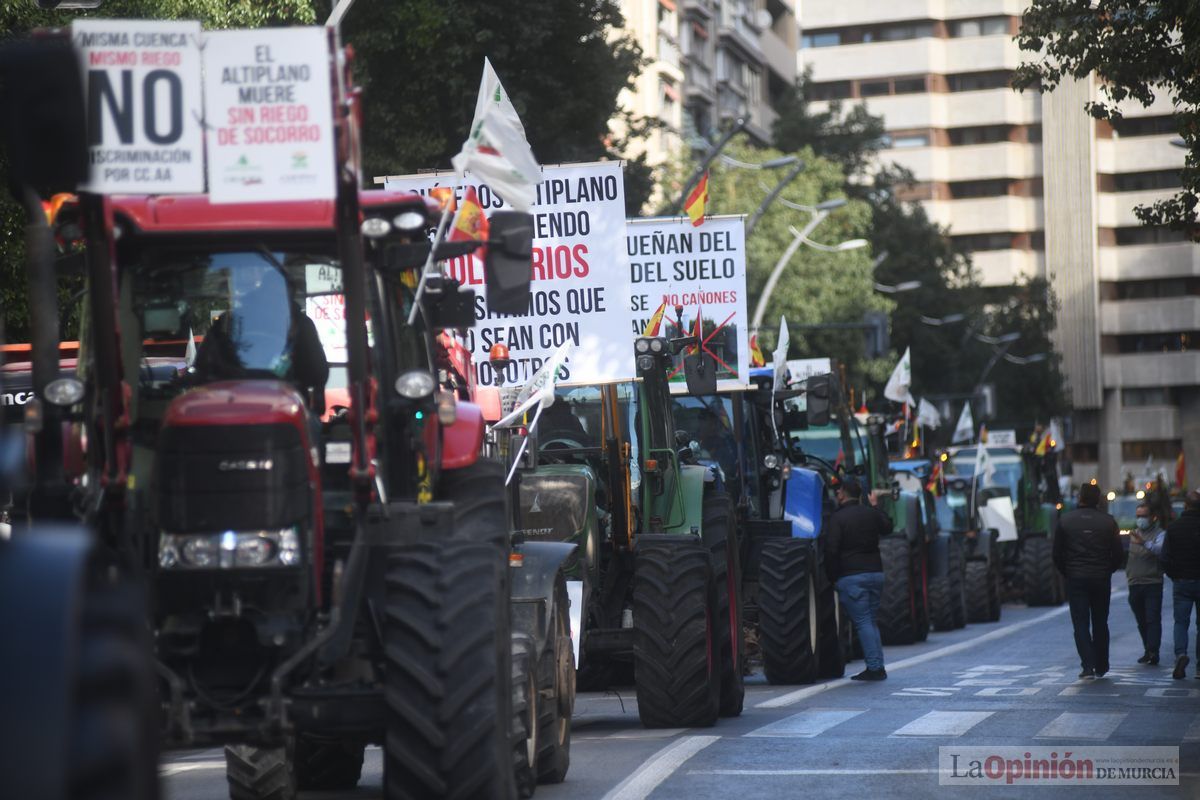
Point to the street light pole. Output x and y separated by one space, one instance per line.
773 278
1006 341
779 187
715 151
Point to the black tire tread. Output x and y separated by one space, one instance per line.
1038 573
978 586
786 570
897 624
717 528
524 714
259 773
556 701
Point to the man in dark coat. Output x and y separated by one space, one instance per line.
1087 550
854 565
1181 560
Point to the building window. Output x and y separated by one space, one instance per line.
909 85
981 134
1148 234
1156 289
1157 396
964 190
1147 181
1174 342
896 33
987 26
822 39
1037 240
1033 134
1145 126
834 90
903 140
874 88
978 81
984 241
1159 449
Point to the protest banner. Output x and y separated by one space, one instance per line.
580 275
700 274
269 110
325 305
144 96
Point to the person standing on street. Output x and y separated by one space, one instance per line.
1181 560
1144 573
1087 550
854 565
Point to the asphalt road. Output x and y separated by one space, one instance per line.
1006 684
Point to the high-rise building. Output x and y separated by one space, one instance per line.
1034 186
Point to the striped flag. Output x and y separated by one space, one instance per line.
697 202
655 321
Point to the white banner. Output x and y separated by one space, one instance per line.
326 307
269 115
800 369
702 269
580 276
144 98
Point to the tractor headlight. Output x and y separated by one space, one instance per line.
229 550
770 461
409 221
375 227
642 345
63 392
657 345
415 384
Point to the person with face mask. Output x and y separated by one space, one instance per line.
1145 576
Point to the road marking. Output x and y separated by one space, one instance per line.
943 723
168 770
1071 725
791 698
751 772
647 733
660 766
809 723
1193 731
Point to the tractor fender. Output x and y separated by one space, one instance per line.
533 589
462 440
911 506
803 503
41 579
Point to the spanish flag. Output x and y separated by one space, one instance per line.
756 356
1043 446
444 195
697 202
655 321
1180 471
472 223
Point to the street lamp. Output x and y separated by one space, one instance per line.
1002 343
937 322
1022 361
1007 338
903 286
770 163
770 198
713 152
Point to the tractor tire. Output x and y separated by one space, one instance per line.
958 567
921 590
259 773
1038 573
947 604
677 670
114 725
327 765
995 603
899 615
556 692
524 714
980 588
477 491
832 639
717 533
787 611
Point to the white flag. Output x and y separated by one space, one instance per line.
985 468
780 360
897 385
965 428
496 149
927 414
540 388
189 355
1056 439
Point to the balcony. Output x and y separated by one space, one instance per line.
668 51
1149 423
912 57
987 214
781 58
1160 315
1134 370
1115 209
1137 154
960 109
868 12
970 162
1006 267
1146 261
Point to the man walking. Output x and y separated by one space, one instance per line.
1087 550
854 565
1181 560
1145 576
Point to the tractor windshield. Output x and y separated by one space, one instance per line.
953 513
709 421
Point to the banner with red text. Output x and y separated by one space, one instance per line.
580 285
700 273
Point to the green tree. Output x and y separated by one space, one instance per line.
1136 49
1031 392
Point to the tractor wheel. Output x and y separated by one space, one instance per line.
716 531
920 573
787 611
556 692
947 605
1038 572
899 621
327 765
677 667
958 593
994 599
259 773
114 727
524 714
832 639
980 588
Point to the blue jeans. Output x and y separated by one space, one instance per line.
1146 601
1185 594
860 594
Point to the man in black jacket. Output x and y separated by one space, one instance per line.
854 565
1181 560
1087 550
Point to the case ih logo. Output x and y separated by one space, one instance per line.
245 465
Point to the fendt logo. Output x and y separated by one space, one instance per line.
245 465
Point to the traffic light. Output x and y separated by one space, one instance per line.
877 339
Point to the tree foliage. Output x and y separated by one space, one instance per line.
1137 50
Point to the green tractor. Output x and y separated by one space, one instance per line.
652 586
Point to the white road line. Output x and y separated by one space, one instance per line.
189 766
791 698
1193 731
769 772
809 723
647 733
1071 725
943 723
660 766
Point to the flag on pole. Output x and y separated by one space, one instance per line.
470 223
1043 445
985 467
496 149
1180 471
779 362
1056 437
898 385
696 205
927 414
189 355
655 321
756 356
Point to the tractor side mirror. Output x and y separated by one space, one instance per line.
42 118
700 371
448 305
508 266
817 392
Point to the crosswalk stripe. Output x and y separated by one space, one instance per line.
943 723
808 723
1193 731
1071 725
